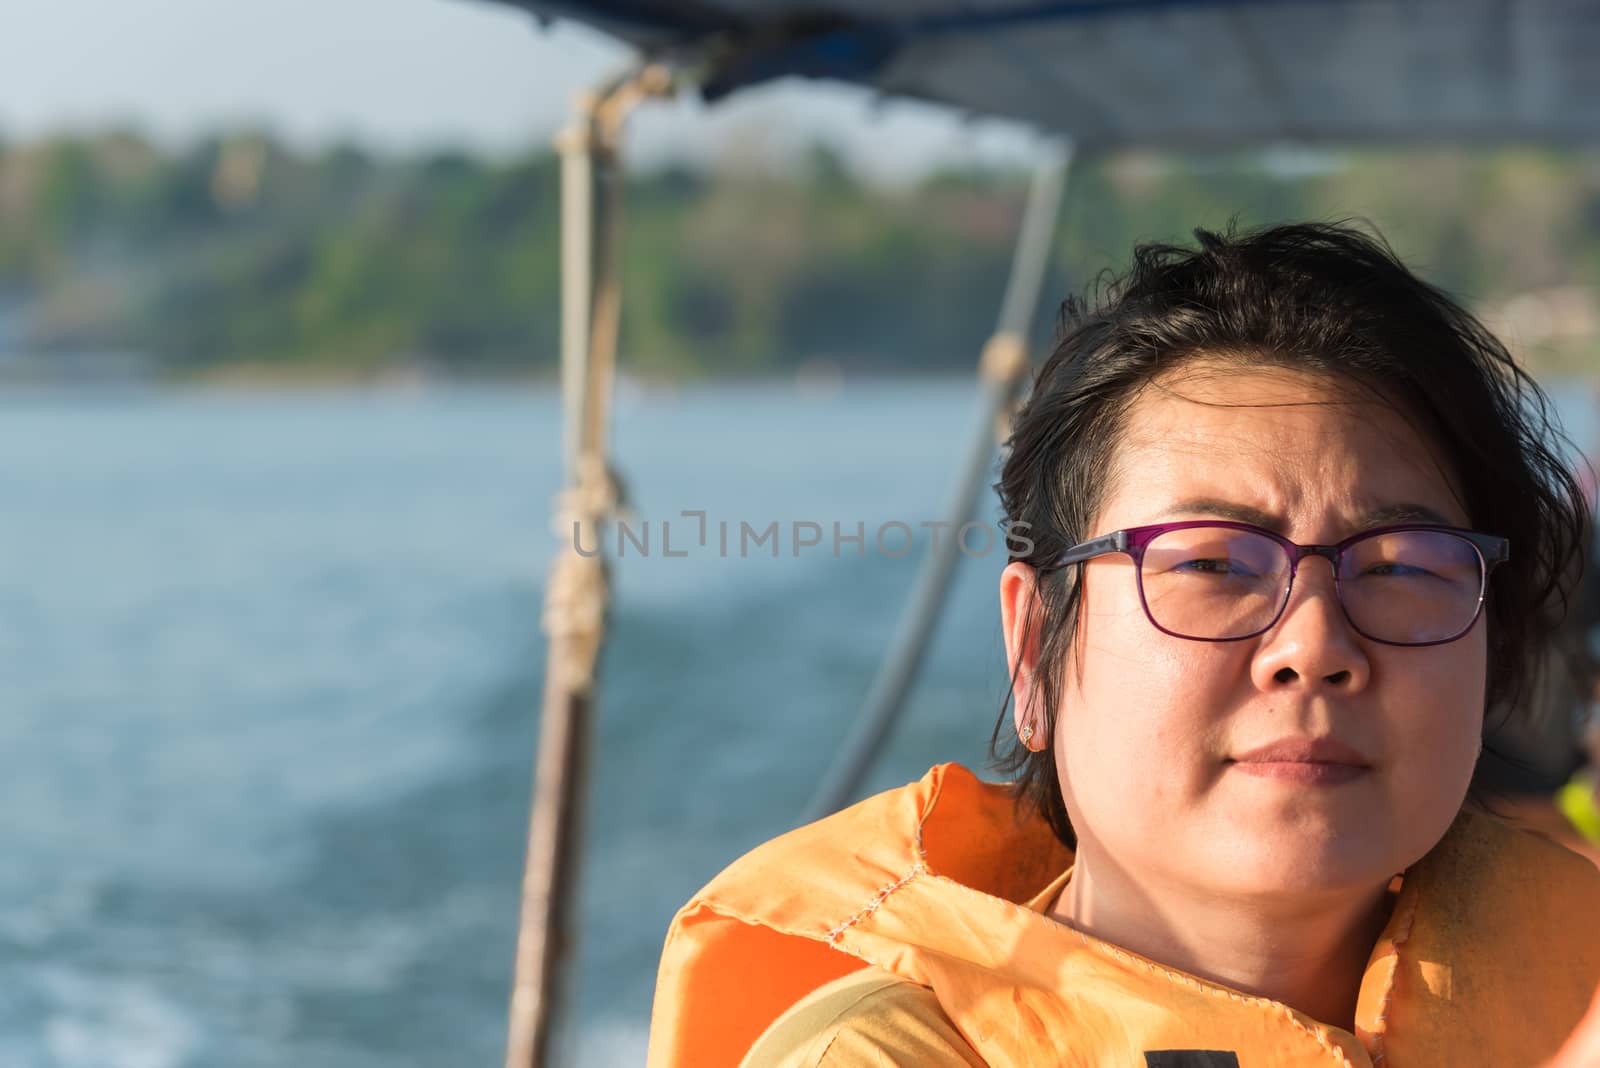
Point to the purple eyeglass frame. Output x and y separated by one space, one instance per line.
1492 551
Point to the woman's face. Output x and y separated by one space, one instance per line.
1152 728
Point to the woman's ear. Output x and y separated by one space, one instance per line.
1019 620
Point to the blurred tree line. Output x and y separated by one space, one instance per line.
237 251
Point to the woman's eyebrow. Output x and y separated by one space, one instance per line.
1405 513
1223 509
1388 515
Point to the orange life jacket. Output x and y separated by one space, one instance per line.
1490 956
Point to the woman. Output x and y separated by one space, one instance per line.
1296 522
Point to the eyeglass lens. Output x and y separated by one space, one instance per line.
1406 587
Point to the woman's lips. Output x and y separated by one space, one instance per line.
1309 761
1310 774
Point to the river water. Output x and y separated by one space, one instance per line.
271 668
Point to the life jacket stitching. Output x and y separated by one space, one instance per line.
918 867
837 934
1380 1026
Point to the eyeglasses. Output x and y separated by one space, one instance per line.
1214 581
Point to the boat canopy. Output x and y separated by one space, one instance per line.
1204 74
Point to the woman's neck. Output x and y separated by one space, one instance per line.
1307 954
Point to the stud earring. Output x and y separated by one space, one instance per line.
1026 734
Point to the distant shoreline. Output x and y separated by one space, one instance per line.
271 377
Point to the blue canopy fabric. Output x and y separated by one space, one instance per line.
1163 73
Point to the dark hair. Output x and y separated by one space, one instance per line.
1327 299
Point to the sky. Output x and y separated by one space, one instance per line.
399 75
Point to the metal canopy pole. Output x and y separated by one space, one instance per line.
577 591
1001 372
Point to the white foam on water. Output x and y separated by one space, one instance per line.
113 1023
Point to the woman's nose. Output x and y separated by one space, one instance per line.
1312 646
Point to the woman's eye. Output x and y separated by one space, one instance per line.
1395 569
1213 566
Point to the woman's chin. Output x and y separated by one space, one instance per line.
1308 865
